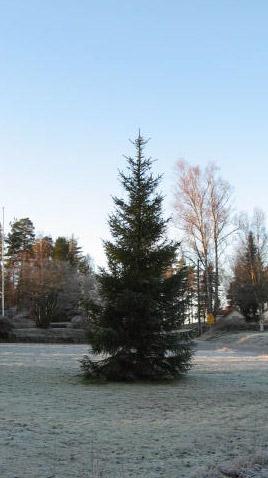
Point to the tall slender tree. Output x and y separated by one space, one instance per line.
20 242
61 249
74 253
21 237
249 287
203 212
136 329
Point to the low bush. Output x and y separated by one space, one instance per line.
235 324
5 329
43 309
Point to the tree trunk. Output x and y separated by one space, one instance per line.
262 321
216 299
207 288
198 299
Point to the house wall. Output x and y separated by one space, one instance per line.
235 314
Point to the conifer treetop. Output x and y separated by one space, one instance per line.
135 327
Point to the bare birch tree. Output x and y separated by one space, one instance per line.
203 212
194 218
219 195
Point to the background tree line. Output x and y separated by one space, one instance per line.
208 227
139 303
51 280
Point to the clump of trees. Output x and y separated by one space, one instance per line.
138 304
136 329
203 214
46 278
249 286
206 223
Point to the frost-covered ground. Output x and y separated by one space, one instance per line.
54 425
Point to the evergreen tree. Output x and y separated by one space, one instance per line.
67 250
249 287
61 249
21 237
136 328
74 252
20 241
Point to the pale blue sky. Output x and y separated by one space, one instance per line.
78 78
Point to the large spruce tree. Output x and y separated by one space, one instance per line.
135 333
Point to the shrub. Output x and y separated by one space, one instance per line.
43 309
234 325
5 329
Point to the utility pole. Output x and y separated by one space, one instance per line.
3 261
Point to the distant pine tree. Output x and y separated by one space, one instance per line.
61 249
68 250
74 252
136 330
20 240
249 287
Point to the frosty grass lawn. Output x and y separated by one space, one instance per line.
54 425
